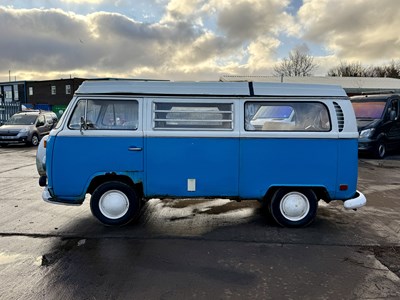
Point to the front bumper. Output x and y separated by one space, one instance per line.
358 201
13 139
47 197
366 144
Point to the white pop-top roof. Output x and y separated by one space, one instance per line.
208 88
350 84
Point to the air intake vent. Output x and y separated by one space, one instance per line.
340 116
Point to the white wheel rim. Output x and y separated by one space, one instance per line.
294 206
114 204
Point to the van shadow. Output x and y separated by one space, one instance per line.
223 219
176 245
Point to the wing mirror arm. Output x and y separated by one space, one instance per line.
83 125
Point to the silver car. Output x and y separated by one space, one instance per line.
27 127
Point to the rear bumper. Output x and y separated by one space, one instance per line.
358 201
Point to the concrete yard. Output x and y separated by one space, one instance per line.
203 249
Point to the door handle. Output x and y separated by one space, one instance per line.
135 148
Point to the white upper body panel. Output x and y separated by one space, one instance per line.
209 88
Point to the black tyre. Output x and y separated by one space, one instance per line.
35 140
115 203
380 150
294 207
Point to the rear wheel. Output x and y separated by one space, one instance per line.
115 203
293 207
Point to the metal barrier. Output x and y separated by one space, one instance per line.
7 109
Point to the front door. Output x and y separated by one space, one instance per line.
102 136
393 117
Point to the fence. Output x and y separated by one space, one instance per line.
7 109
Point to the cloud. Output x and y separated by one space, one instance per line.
359 30
193 39
83 1
247 19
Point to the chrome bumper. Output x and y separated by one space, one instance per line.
46 196
357 202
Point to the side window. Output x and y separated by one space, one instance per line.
105 115
395 110
286 116
193 116
40 121
49 119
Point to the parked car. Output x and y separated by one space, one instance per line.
378 123
27 127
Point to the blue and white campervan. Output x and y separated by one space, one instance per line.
286 145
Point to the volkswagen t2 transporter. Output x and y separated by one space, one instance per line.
286 145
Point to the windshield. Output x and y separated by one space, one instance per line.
22 120
368 110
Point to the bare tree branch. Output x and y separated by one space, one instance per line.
358 70
297 64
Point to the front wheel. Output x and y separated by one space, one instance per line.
35 140
380 150
294 207
115 203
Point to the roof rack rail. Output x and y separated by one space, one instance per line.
379 92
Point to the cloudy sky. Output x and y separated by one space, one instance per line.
189 39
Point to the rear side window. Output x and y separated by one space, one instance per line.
105 115
192 116
286 116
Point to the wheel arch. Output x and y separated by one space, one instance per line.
320 191
100 179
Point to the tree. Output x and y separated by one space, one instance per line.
348 70
298 63
391 70
345 69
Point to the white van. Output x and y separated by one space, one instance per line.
286 145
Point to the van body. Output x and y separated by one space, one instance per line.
124 141
378 123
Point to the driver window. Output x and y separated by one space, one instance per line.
392 111
105 114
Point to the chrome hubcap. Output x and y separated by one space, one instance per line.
35 140
114 204
294 206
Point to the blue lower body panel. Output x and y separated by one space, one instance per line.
192 167
297 162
